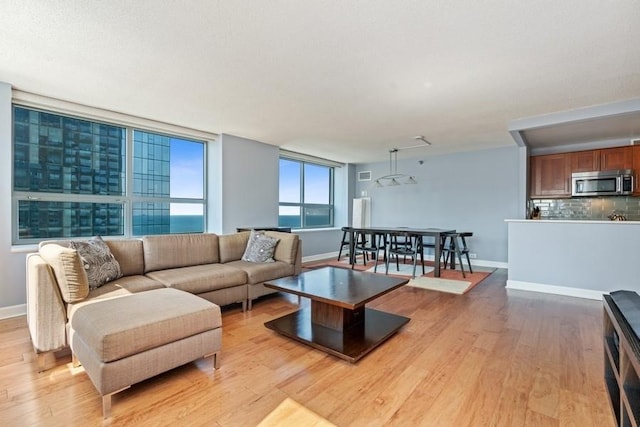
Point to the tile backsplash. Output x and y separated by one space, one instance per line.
588 208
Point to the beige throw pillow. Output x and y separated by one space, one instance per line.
98 261
260 248
70 274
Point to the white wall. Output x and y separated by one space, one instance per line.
12 264
248 182
318 244
344 188
576 258
470 191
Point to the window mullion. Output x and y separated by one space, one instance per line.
128 207
303 220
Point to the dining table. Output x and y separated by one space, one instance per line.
436 233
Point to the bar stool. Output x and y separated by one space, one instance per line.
343 243
465 248
457 246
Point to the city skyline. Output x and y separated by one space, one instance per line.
61 157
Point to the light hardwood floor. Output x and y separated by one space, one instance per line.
491 357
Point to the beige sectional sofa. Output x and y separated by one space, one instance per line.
207 265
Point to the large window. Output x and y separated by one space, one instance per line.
72 178
168 177
306 194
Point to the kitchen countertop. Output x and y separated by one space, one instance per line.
572 221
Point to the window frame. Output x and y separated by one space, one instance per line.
127 200
302 205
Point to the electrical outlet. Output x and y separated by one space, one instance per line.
472 255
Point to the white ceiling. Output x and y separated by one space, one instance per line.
619 127
345 80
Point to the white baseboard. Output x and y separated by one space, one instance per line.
556 290
13 311
320 257
478 262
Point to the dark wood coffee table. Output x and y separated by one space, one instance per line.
337 320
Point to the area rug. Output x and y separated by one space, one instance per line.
402 270
442 285
450 281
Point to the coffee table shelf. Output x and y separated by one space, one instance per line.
337 320
351 344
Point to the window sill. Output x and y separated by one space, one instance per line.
312 230
20 249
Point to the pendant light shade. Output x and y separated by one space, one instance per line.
394 178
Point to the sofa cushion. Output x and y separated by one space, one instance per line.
232 246
123 286
68 269
117 328
200 278
260 247
98 261
261 272
287 247
129 254
179 250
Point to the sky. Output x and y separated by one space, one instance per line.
186 175
316 182
187 179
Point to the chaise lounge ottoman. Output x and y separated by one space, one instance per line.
125 340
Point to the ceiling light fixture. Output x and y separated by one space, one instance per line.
394 178
420 138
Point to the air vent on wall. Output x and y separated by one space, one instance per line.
364 176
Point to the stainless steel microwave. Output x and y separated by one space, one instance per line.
603 183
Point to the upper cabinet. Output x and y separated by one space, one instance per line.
616 158
550 175
585 161
602 160
636 170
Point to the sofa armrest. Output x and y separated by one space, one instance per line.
46 312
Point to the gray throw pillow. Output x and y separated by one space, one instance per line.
98 261
260 248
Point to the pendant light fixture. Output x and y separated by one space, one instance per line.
394 178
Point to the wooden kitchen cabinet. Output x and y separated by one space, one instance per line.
602 160
585 161
550 175
636 169
616 158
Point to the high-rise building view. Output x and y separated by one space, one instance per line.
70 179
67 156
151 178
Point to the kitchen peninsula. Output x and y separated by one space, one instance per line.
575 258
